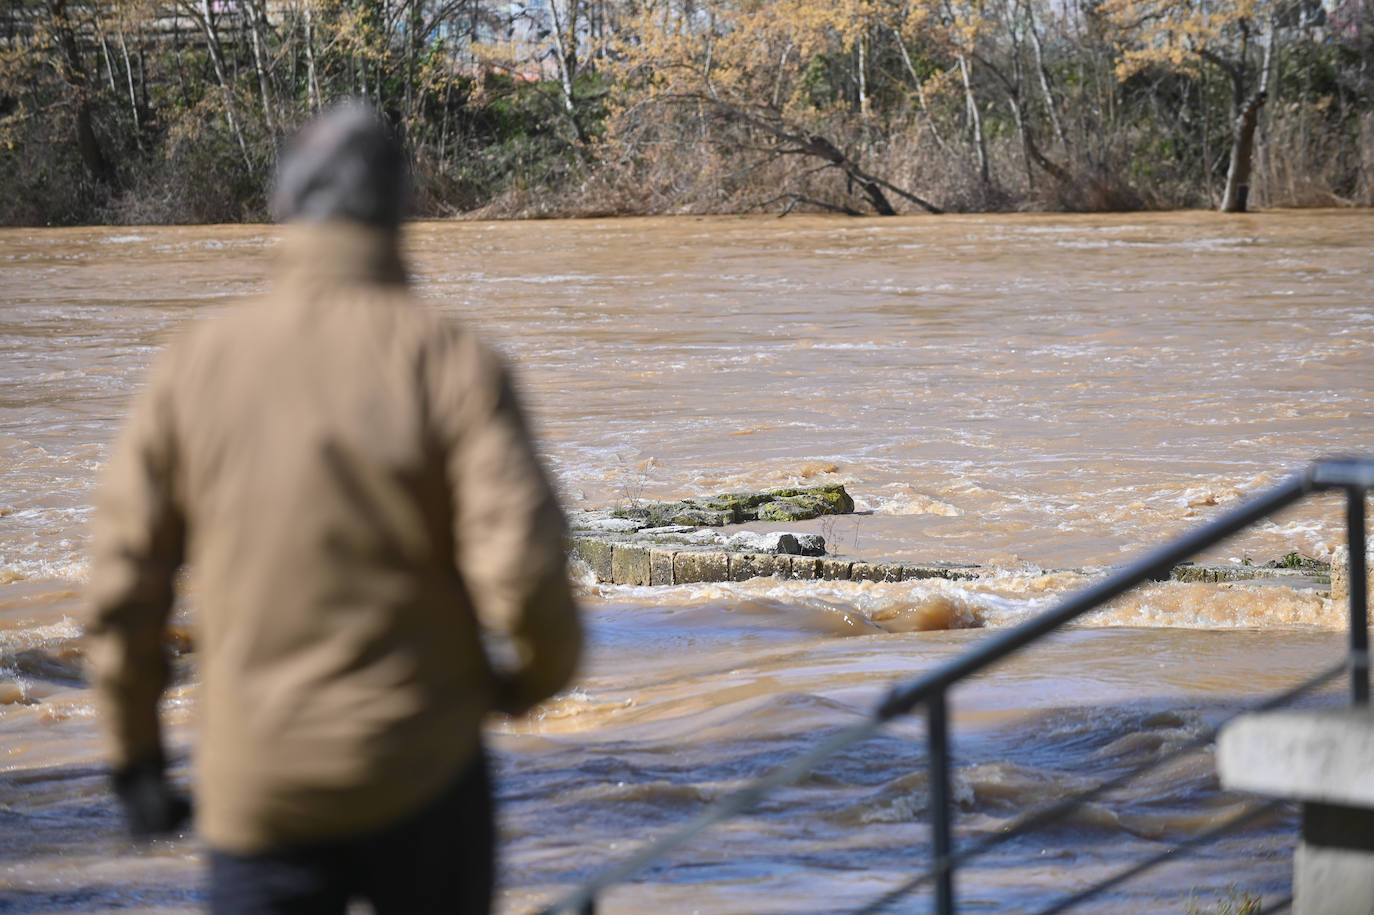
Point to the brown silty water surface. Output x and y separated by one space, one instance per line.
1026 393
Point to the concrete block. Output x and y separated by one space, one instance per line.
888 571
1322 756
744 566
805 568
836 569
661 567
912 571
863 571
876 571
630 565
771 565
693 566
597 554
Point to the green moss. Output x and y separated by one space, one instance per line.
786 504
790 510
835 497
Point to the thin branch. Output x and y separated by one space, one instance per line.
794 199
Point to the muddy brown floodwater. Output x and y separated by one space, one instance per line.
1044 396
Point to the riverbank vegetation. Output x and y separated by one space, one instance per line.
171 111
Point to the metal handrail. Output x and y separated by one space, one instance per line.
1036 819
1355 475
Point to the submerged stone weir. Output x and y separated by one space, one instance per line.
672 543
624 562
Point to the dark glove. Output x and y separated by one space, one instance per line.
149 802
508 698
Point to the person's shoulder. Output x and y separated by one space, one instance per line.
222 328
450 338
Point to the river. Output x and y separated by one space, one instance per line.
1043 396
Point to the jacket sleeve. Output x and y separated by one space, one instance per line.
137 547
509 531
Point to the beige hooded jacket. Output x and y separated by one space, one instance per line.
355 491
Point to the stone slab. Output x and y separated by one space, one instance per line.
598 549
744 566
630 565
836 569
661 567
689 567
597 554
920 571
875 571
1324 756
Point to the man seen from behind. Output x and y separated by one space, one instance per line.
353 487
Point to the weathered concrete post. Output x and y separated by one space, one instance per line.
1325 759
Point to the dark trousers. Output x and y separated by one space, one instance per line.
439 860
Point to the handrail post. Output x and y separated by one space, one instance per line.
1358 576
938 726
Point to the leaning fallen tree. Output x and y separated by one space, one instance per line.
791 140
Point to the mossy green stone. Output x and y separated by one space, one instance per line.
787 504
836 498
790 509
697 517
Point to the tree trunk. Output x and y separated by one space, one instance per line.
818 146
863 78
920 91
980 143
566 52
1029 149
311 77
257 36
207 22
1236 197
75 73
1050 106
1237 193
133 96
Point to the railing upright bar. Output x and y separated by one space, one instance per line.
1358 576
937 724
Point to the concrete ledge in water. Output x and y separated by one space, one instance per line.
625 562
627 559
673 543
